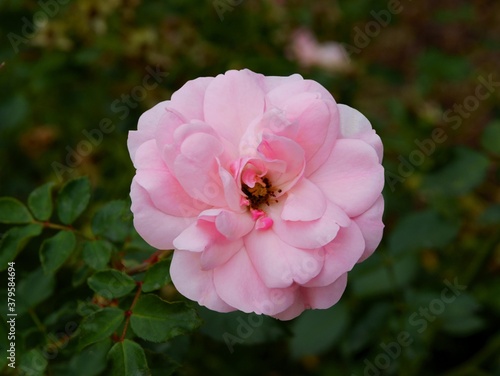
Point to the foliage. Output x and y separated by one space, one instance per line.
92 298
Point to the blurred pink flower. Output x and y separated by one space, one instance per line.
267 189
308 52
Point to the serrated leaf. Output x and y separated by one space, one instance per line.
425 229
73 199
33 289
91 361
40 202
315 331
157 276
13 211
113 221
56 250
33 363
100 325
128 359
111 283
14 240
155 320
97 253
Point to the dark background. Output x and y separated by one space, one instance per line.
408 75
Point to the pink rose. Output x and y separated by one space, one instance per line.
309 52
268 191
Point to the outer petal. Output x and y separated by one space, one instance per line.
146 127
353 124
279 264
219 252
239 285
325 297
372 227
194 283
278 97
352 177
189 99
315 298
157 228
232 101
272 82
196 237
340 255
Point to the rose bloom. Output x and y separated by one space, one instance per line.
268 191
309 52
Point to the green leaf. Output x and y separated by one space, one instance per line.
33 363
73 199
128 359
157 276
56 250
91 361
425 229
33 289
40 202
460 176
100 325
13 211
315 331
491 138
97 253
157 321
113 221
111 283
14 240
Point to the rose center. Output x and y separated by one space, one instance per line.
258 194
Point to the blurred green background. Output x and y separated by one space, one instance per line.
420 74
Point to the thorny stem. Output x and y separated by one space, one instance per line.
153 259
56 226
129 312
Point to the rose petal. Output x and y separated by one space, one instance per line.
239 285
232 102
352 177
304 202
189 99
340 255
156 227
194 283
372 227
279 264
310 234
353 124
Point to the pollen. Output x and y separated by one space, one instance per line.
258 194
